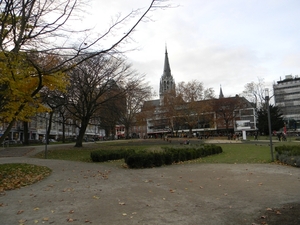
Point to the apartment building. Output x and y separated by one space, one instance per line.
287 98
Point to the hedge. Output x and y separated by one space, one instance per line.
148 159
289 155
106 155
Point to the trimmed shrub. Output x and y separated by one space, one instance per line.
168 158
135 160
148 159
298 162
105 155
158 159
289 155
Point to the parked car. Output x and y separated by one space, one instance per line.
50 140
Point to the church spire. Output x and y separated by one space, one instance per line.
167 70
221 93
167 82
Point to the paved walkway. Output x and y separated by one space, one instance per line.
103 193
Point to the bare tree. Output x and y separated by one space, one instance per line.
225 110
56 103
192 106
110 112
31 30
97 86
137 93
255 92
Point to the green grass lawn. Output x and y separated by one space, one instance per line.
240 153
247 152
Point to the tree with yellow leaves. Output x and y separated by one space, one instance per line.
20 86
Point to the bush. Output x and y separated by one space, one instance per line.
144 159
168 158
105 155
289 155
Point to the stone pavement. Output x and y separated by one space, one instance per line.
103 193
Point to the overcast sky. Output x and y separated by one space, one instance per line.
217 42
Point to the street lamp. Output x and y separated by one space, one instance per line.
269 121
46 136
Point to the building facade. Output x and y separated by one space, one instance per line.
39 123
287 98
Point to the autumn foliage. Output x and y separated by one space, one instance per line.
17 175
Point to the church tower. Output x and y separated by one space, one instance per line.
221 93
167 83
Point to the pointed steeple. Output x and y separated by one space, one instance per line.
167 82
221 93
167 70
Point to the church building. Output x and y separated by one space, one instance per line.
160 121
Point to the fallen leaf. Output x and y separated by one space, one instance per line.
278 212
37 208
121 203
20 211
172 191
124 214
70 220
269 209
96 197
71 211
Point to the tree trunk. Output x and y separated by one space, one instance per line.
6 132
63 131
190 132
25 134
49 126
127 132
80 136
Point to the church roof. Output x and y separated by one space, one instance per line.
151 103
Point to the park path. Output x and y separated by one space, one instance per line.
103 193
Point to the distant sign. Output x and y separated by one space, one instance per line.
243 125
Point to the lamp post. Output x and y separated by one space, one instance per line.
269 122
46 136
